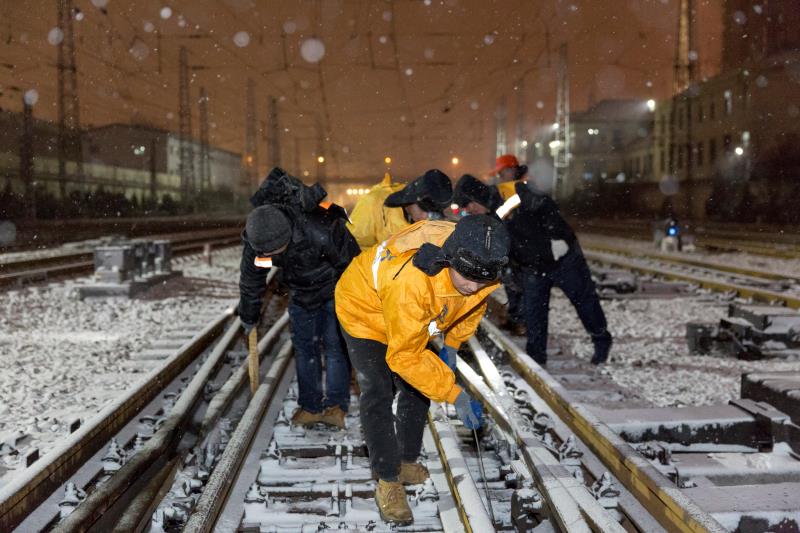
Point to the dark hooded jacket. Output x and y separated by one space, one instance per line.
533 227
319 250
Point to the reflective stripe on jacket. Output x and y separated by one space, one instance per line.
408 307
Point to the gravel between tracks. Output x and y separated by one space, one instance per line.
650 354
64 358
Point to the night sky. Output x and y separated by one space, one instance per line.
418 80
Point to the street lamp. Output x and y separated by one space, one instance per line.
651 105
454 160
387 160
320 159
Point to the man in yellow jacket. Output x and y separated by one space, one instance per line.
371 222
431 279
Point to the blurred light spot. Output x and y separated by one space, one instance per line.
139 50
312 50
55 36
148 26
409 71
387 160
474 105
488 38
290 27
758 8
539 105
648 84
621 177
166 12
692 55
320 159
241 39
651 104
739 150
100 4
383 39
739 18
31 96
454 160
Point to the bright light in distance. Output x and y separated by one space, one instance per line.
555 125
555 144
739 150
524 144
454 207
387 160
651 105
306 173
320 159
454 160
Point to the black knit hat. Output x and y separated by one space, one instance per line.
471 189
267 229
478 247
433 192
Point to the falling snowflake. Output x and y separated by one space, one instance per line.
739 18
241 39
166 12
148 26
387 16
289 27
99 4
31 96
409 71
488 38
474 105
55 36
312 50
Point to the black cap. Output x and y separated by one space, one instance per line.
267 229
432 191
471 189
478 247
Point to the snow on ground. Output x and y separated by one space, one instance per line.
785 267
650 354
63 358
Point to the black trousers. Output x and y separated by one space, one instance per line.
571 275
390 439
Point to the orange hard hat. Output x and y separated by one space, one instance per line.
505 161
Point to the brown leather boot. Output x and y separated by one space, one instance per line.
390 496
412 474
333 416
301 417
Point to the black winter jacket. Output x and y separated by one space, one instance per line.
320 249
533 226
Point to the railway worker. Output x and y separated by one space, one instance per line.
371 222
312 247
509 172
546 248
475 197
430 279
425 198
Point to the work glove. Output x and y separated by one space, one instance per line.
468 410
247 328
449 355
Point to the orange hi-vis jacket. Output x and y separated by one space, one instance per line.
382 296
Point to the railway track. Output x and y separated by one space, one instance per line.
727 279
777 244
24 271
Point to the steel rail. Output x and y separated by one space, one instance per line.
591 244
674 510
210 505
765 295
35 484
631 508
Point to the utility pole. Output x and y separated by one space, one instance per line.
205 160
26 159
185 125
251 138
69 130
274 134
561 143
684 76
520 149
501 146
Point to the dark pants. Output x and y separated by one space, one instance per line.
311 331
512 279
390 439
572 276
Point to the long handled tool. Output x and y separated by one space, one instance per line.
483 475
252 360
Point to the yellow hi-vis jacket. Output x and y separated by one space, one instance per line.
507 189
371 221
382 296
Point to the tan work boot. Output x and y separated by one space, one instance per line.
301 417
412 474
390 496
333 416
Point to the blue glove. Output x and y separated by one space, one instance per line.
469 411
247 328
449 355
